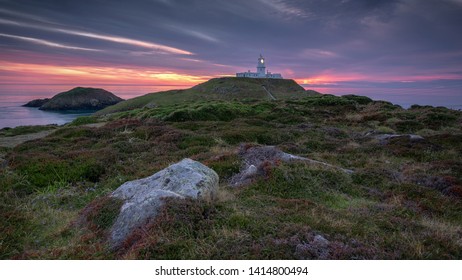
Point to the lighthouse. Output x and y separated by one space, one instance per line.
261 68
261 71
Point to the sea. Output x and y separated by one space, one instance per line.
12 114
12 97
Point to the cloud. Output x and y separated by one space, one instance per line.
322 41
165 2
201 35
286 8
459 2
318 54
110 38
122 40
187 30
47 43
23 15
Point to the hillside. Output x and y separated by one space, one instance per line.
378 182
78 98
227 88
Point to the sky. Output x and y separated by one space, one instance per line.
410 48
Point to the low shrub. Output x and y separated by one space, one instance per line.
101 213
328 100
408 126
361 100
210 112
84 120
438 120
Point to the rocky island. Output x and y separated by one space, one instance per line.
77 99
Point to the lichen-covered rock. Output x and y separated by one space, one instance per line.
256 158
144 197
384 137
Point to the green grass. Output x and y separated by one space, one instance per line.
362 100
84 120
402 202
210 112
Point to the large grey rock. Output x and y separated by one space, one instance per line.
385 137
144 197
255 158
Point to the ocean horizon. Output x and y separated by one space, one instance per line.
13 114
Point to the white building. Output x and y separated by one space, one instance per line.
261 71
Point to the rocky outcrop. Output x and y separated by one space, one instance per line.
384 137
143 198
257 158
78 98
318 248
36 103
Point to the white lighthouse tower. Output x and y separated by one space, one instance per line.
261 71
261 68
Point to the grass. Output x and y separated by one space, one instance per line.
101 213
84 120
402 202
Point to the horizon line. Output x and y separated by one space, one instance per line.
65 84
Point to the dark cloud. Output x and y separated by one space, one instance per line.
304 38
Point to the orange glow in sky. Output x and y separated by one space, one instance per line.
326 79
333 78
38 73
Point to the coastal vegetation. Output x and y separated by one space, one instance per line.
402 201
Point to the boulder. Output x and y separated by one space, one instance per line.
256 158
143 198
386 137
318 248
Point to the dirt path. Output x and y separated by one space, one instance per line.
269 93
12 141
97 125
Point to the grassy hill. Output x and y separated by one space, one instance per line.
228 88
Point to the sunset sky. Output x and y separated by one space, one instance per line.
404 46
